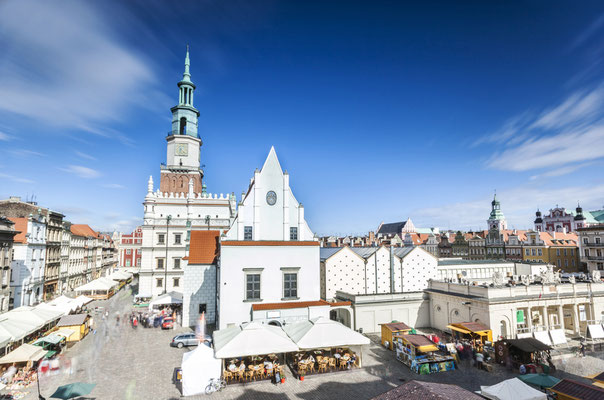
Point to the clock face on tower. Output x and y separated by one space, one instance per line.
271 198
181 149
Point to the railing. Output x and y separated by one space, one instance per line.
591 244
595 258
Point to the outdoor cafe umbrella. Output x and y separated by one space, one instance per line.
73 390
541 380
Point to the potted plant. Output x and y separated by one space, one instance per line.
302 375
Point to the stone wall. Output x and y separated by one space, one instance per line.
199 287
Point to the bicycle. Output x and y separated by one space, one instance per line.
215 385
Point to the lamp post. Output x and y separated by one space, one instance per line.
168 218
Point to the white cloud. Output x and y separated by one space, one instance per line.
113 186
518 205
15 178
26 153
569 133
81 171
84 155
66 67
4 137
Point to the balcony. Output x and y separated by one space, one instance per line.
592 244
595 258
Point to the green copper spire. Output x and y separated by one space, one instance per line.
186 77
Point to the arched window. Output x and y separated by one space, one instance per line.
183 126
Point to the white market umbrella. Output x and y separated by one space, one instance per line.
251 339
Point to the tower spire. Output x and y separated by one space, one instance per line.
186 77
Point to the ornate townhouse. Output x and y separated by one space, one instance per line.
7 238
54 237
560 220
460 246
591 242
27 280
129 248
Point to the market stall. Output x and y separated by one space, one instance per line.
529 352
78 324
568 389
393 329
512 389
250 350
101 288
474 332
198 368
326 346
172 299
52 343
23 354
422 355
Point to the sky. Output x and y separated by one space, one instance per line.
378 110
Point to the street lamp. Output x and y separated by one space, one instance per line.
168 218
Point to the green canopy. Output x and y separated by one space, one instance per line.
73 390
50 354
541 380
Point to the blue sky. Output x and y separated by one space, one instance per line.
379 110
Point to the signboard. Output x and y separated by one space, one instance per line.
273 314
520 316
582 316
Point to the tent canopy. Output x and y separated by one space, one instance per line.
541 380
168 298
512 389
251 339
323 333
198 367
103 284
53 338
528 345
24 353
120 275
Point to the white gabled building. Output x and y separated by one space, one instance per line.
27 278
180 204
354 270
269 259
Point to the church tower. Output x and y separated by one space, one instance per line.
183 142
496 219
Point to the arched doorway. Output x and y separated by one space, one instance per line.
503 329
275 323
342 315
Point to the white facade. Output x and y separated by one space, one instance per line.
354 270
269 255
564 306
198 211
27 280
76 271
473 270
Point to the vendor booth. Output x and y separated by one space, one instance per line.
169 299
474 332
568 389
101 288
529 352
393 329
23 354
77 324
325 345
198 368
52 343
512 389
252 351
422 355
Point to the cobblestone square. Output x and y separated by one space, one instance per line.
138 364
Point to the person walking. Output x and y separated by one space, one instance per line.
582 349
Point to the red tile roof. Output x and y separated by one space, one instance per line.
21 226
578 390
286 305
203 248
269 243
397 326
83 230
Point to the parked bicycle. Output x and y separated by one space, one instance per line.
215 385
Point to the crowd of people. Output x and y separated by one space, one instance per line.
152 319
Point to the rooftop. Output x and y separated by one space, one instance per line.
203 248
459 261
